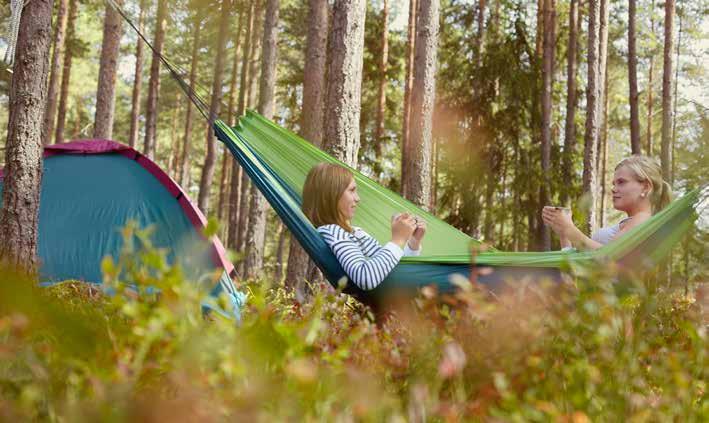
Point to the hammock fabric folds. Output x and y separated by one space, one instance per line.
277 162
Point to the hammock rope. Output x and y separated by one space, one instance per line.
13 30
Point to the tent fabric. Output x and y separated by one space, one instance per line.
92 188
277 161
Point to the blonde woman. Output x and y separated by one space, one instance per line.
330 200
638 190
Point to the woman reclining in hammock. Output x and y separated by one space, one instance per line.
638 190
330 200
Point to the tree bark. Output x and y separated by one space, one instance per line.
314 73
548 80
106 91
59 42
227 160
381 95
151 112
205 182
311 120
674 107
633 81
66 74
665 148
138 83
591 129
19 215
408 84
185 163
602 71
650 88
417 174
603 153
235 197
570 123
345 60
256 233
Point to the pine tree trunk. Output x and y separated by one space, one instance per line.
602 71
314 73
59 42
256 233
66 74
650 86
280 250
603 153
549 44
417 174
311 120
246 188
106 91
19 215
227 160
187 137
570 123
205 182
151 112
674 107
237 203
345 60
591 130
408 85
138 83
633 81
665 148
381 95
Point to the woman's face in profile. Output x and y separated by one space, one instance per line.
347 205
627 190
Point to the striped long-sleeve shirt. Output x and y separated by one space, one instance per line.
365 261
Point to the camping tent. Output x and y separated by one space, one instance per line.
93 188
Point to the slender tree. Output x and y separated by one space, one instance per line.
548 80
570 122
600 104
417 172
311 121
187 137
231 119
408 85
66 74
19 215
235 200
138 81
665 147
245 200
256 233
59 43
591 130
106 91
344 79
381 95
205 182
151 112
633 81
650 89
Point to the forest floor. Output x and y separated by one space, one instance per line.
594 349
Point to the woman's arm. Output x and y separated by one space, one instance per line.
569 235
366 272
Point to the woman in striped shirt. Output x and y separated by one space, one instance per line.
330 200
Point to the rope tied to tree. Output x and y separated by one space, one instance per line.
13 28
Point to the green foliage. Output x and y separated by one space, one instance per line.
596 349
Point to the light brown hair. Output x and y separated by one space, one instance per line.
323 188
646 169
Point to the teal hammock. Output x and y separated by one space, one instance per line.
277 162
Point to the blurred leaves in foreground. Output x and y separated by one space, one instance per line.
592 350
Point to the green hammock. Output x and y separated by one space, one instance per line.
277 161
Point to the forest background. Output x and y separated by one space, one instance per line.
509 126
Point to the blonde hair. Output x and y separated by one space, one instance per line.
648 170
323 188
